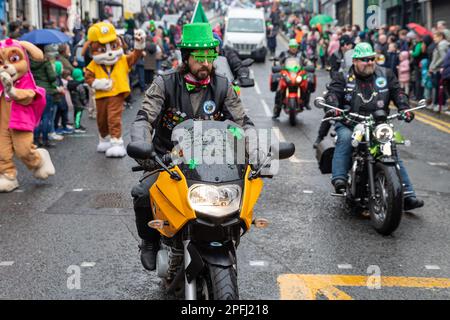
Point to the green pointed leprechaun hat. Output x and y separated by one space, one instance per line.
199 14
197 36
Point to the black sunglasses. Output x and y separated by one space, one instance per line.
366 59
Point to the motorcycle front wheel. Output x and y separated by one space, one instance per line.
218 283
387 207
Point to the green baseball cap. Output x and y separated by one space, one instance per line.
363 50
197 36
77 75
58 67
293 43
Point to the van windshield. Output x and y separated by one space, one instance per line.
245 25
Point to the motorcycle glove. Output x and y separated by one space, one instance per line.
407 116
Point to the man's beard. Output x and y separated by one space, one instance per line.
366 71
202 73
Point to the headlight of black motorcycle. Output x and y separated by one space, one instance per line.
383 133
215 201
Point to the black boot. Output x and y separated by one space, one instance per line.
316 143
340 186
411 203
149 249
276 112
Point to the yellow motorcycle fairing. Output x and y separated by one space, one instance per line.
169 202
251 192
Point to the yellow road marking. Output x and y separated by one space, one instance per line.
433 119
432 123
310 286
437 123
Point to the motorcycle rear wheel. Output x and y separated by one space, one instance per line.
387 208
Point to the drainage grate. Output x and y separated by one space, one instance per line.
111 200
88 202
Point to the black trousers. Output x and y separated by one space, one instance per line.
143 210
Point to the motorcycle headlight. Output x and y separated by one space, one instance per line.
215 201
299 79
383 133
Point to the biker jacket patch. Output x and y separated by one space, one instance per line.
209 107
381 82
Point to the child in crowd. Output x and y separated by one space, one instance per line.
79 93
404 71
62 110
426 81
392 58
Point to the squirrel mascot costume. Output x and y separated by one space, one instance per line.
108 75
21 106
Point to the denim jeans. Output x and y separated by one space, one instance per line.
62 113
47 120
342 159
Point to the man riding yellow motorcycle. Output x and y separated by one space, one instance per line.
167 202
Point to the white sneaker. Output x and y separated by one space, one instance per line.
56 137
46 167
103 144
117 149
7 184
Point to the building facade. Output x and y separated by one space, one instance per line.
374 13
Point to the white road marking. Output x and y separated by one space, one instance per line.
281 138
88 264
438 164
258 91
345 266
432 267
6 263
18 190
77 190
266 108
308 191
257 263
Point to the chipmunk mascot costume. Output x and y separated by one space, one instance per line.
21 106
108 75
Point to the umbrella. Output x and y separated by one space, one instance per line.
420 30
321 19
45 36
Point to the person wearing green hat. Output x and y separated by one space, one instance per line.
363 89
61 108
79 94
192 91
292 52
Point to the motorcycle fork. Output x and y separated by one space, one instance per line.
370 162
190 289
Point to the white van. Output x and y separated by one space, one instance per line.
245 31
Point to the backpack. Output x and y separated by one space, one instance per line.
83 93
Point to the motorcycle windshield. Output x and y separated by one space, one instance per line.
292 65
209 151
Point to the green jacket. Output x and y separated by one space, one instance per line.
44 75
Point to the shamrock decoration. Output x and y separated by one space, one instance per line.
192 164
236 132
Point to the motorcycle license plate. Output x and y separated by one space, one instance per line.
386 149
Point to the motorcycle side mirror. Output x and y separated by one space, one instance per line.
247 62
282 150
246 82
310 69
422 103
318 102
276 69
140 150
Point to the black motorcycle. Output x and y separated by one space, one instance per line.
374 182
